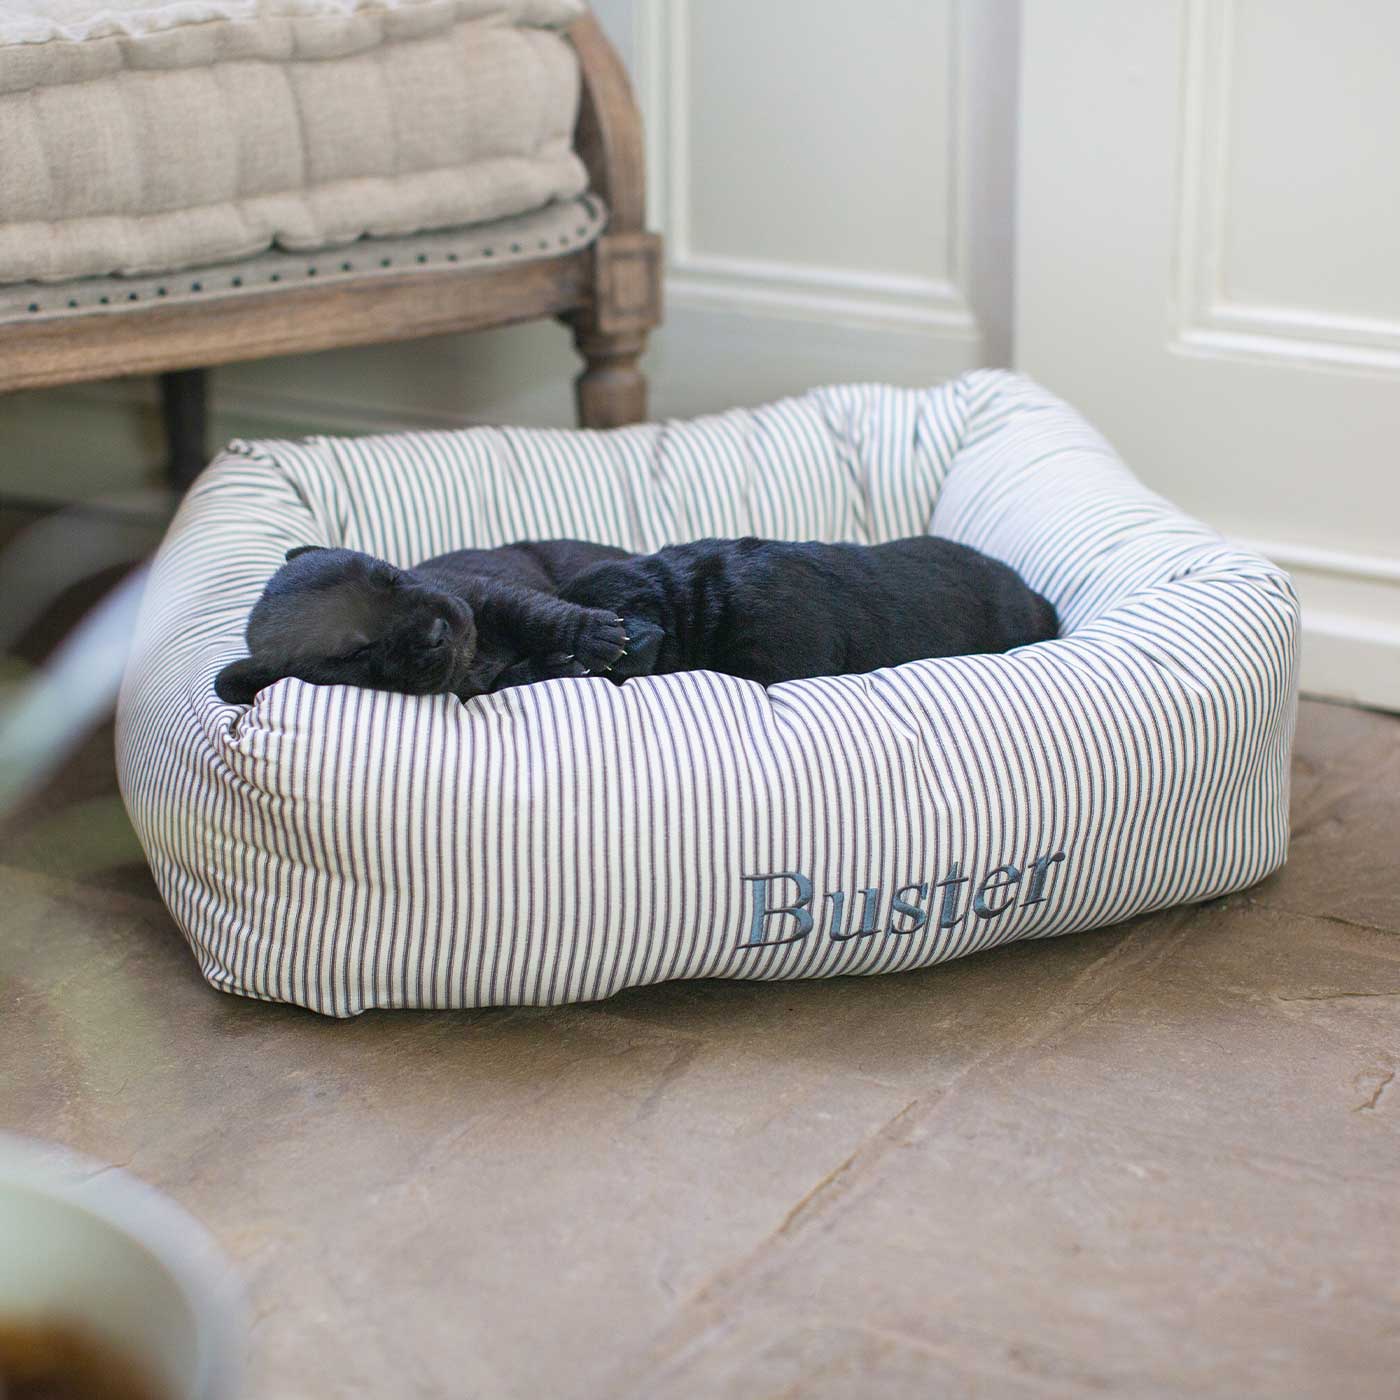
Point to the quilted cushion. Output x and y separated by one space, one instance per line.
144 138
347 849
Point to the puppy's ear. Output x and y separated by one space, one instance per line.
298 550
241 680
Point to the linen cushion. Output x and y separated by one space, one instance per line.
143 138
562 227
346 849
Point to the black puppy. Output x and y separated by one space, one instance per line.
767 610
451 625
772 610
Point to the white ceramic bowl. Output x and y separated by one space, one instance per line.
95 1246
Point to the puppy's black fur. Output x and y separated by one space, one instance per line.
766 610
772 610
452 625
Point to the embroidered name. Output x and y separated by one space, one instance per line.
784 907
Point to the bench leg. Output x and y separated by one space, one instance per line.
184 409
611 392
611 332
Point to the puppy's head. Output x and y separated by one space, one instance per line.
338 617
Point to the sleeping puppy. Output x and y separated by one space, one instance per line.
452 625
773 610
767 610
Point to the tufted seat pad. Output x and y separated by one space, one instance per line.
144 138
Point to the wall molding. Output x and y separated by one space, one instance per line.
1350 658
1317 559
828 293
852 296
1207 320
1351 620
281 414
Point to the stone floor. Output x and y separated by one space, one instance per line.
1159 1160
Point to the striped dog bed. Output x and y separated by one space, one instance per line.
346 849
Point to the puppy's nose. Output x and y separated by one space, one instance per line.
437 633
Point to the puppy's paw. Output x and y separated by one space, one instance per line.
643 649
531 670
600 640
559 667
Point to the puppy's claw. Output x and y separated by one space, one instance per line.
602 639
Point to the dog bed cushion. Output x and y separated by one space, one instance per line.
144 137
346 849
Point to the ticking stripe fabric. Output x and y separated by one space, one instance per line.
346 849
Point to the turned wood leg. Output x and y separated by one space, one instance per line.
611 391
611 332
183 406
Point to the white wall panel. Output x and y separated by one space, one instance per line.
1288 226
834 189
1310 125
1206 192
826 137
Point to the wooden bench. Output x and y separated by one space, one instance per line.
607 292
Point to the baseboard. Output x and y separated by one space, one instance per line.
95 439
711 357
519 374
1351 621
104 439
1351 659
703 360
250 411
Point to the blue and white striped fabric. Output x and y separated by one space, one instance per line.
346 849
